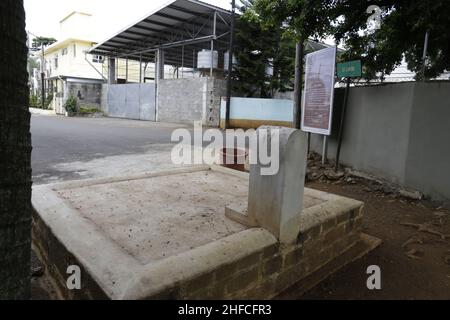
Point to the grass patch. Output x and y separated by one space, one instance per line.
87 109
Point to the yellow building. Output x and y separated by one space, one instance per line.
69 70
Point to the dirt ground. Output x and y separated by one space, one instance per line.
415 254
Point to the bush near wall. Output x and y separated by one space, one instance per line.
34 101
71 105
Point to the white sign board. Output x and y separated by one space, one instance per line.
317 109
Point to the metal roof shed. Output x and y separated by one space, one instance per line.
172 34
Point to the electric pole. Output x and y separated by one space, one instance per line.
298 85
230 65
42 78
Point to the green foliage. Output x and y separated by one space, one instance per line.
34 101
402 33
71 104
401 36
301 19
259 47
48 100
89 109
40 42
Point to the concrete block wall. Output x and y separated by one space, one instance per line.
376 133
88 94
189 100
266 273
399 132
217 89
104 99
427 164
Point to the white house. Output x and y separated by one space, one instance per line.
69 69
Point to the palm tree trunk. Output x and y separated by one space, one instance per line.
15 154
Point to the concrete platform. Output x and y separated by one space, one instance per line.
156 235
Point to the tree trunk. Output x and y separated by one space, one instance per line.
15 154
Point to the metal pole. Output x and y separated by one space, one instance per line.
298 84
212 44
140 68
341 127
425 52
182 62
43 78
126 70
325 149
116 68
156 69
309 143
230 65
193 62
212 59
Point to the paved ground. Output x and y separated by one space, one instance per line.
65 148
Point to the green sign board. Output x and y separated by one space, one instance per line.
350 69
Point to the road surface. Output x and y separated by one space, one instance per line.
75 148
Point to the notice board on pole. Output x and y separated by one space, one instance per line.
317 109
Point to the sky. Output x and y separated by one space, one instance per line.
109 16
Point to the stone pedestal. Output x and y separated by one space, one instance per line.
276 197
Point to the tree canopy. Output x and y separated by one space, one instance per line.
404 24
265 55
40 42
401 35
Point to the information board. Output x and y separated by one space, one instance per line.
317 109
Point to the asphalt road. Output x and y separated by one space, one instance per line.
59 140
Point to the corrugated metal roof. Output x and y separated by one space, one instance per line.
188 22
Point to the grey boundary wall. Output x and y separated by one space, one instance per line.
178 101
88 94
188 100
400 132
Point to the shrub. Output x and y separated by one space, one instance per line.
71 104
48 100
34 101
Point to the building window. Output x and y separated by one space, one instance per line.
64 51
74 50
98 59
56 62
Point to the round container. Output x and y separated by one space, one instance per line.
233 158
225 61
204 59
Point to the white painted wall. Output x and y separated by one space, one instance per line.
77 25
73 63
